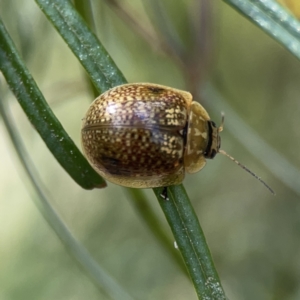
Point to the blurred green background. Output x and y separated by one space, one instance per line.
254 237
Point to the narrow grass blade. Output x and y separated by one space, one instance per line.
271 17
149 217
105 74
41 116
84 44
103 281
191 242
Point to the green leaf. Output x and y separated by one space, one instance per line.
100 277
149 217
273 19
179 212
191 242
41 116
84 44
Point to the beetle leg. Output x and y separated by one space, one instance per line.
164 193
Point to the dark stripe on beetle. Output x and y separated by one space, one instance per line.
183 133
210 139
155 90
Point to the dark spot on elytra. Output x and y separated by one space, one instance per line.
111 164
156 90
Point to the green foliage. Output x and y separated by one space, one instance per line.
183 41
273 19
42 117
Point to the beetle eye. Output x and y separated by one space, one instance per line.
210 153
213 153
212 147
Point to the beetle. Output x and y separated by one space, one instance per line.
145 135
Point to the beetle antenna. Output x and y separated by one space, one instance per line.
247 170
220 128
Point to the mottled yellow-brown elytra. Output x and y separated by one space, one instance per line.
146 135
